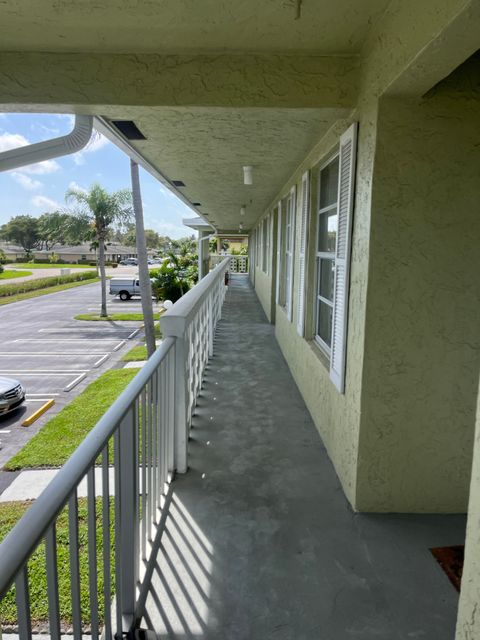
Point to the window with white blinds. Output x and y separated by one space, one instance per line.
332 254
289 251
304 212
264 244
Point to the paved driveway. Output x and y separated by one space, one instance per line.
55 356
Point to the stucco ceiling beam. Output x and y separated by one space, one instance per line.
90 80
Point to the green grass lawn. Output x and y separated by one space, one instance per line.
10 513
94 317
42 292
7 275
135 354
37 265
61 435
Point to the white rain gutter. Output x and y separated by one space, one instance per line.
49 149
103 126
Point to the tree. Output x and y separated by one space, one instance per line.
56 228
23 230
184 246
101 210
143 273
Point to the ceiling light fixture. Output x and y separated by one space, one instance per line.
178 183
248 175
197 204
243 210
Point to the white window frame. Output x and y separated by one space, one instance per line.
289 250
265 245
322 255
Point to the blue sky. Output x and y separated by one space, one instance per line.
41 187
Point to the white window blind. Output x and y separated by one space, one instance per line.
289 251
346 177
304 209
279 252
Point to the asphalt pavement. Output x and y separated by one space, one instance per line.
55 356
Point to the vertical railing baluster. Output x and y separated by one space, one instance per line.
128 539
171 408
149 458
106 543
92 552
144 473
154 446
73 544
22 598
52 582
117 465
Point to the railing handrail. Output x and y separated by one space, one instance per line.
175 319
22 540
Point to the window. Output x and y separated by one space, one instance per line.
327 222
285 252
265 248
332 254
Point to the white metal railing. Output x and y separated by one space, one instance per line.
128 460
192 322
238 264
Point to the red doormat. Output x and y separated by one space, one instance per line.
451 561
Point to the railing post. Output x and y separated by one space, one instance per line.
181 404
129 550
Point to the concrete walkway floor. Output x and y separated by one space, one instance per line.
260 542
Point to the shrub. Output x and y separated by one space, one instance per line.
53 258
3 257
43 283
1 267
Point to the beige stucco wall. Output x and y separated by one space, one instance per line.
263 288
468 622
336 416
422 344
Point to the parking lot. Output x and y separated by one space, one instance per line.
55 356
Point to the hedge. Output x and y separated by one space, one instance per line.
42 283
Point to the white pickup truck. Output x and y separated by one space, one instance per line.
125 288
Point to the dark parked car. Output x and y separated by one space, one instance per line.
12 394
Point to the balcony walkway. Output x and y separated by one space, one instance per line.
260 542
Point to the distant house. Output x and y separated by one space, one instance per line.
114 252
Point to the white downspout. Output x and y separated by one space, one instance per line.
49 149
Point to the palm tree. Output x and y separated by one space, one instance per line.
101 209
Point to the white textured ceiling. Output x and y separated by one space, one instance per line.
323 26
207 148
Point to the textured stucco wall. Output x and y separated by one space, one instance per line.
422 345
263 288
336 416
468 622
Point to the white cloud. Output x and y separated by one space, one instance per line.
15 140
77 187
46 203
97 142
25 181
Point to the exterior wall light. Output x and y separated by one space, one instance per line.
243 210
248 175
240 226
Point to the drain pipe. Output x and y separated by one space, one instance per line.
49 149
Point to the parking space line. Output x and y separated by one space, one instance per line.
43 340
101 361
29 371
31 396
74 383
10 354
74 329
